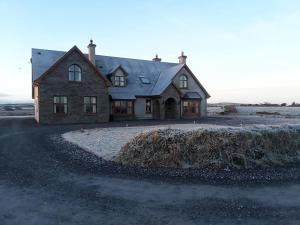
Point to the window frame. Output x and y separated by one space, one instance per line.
183 81
73 69
147 111
191 107
60 103
117 79
91 104
127 105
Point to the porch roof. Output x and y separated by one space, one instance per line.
192 95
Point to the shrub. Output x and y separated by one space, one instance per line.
215 148
230 109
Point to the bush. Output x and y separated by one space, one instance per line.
229 109
214 148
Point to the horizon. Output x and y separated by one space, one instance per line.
248 53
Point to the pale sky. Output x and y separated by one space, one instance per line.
241 51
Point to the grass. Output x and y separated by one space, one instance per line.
214 148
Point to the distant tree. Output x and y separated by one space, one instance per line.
283 104
293 104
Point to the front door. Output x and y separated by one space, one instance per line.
170 108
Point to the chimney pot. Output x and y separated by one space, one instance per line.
156 58
182 58
92 52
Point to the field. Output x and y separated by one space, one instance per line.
16 110
259 110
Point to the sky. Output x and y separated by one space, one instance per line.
241 51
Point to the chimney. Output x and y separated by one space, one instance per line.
182 58
92 51
156 58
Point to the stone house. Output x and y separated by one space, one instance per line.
71 87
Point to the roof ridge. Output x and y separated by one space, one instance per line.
147 60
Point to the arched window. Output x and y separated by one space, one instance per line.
74 72
183 81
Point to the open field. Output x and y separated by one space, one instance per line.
256 110
16 110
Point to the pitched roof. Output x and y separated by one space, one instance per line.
160 74
66 54
192 95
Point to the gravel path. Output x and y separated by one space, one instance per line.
107 142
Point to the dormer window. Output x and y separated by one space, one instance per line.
119 80
118 76
183 81
74 72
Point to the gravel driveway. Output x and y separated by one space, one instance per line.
107 142
40 185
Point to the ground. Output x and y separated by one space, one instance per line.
39 184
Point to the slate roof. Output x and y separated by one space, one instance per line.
160 74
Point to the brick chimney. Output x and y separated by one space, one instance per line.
156 58
92 52
182 58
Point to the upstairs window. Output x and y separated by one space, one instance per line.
119 81
183 81
60 104
74 73
90 104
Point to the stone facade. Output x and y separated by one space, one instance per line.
56 83
142 89
193 86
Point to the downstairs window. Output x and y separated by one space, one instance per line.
123 107
90 104
60 105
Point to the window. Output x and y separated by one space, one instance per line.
90 104
119 81
148 106
145 80
60 104
183 81
191 107
123 107
74 73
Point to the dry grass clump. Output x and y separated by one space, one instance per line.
229 109
215 148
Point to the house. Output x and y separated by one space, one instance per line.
72 87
